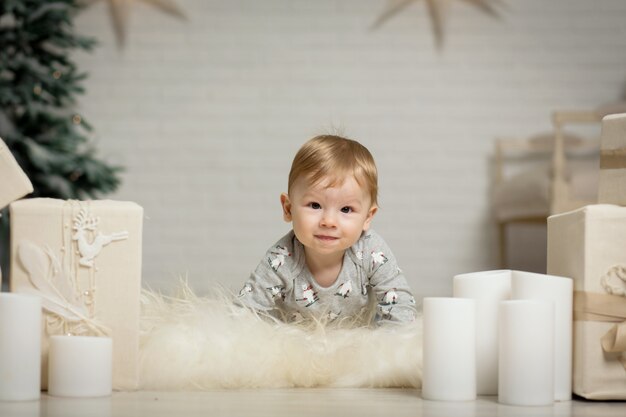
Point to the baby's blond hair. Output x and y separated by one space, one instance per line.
334 158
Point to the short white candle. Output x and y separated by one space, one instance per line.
487 289
20 347
80 366
449 369
559 290
526 359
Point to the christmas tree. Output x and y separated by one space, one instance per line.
39 83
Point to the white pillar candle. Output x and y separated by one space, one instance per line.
559 290
20 347
80 366
449 369
526 354
487 289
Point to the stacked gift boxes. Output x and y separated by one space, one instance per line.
589 245
81 260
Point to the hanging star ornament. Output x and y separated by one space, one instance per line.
437 12
119 10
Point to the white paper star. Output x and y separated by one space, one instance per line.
436 10
119 10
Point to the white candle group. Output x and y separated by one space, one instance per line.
449 370
20 347
523 340
487 289
526 360
80 366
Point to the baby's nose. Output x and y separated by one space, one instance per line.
328 219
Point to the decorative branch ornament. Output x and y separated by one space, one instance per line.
437 10
119 10
49 280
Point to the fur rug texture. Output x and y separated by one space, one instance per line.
194 343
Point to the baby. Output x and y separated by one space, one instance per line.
331 266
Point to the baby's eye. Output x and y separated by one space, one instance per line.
346 209
315 206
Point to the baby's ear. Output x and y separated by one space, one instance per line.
286 204
370 216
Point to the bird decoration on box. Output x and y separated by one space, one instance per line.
84 223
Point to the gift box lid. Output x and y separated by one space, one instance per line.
594 210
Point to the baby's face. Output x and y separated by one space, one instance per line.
328 220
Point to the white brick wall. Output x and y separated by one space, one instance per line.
207 114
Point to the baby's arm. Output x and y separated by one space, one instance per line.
395 302
266 288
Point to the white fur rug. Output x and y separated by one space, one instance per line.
195 343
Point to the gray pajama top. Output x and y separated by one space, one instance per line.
282 285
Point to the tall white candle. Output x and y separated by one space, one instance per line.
20 347
559 290
80 366
487 289
449 369
526 359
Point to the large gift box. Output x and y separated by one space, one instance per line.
84 259
589 245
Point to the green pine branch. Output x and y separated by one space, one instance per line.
39 83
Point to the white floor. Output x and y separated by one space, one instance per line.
293 403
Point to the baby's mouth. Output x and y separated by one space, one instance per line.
326 238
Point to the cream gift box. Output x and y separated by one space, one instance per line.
84 259
14 183
589 245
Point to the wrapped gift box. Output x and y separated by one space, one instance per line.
84 259
14 183
589 245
